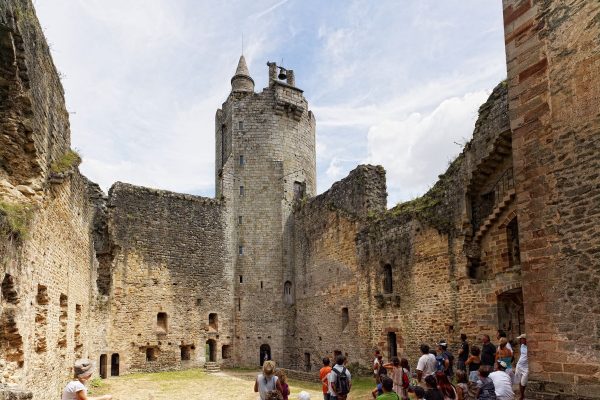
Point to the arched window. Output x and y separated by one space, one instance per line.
161 322
345 318
388 282
287 293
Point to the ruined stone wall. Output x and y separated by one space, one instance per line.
553 58
48 302
169 257
32 111
326 271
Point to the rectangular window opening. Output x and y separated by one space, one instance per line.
241 190
241 250
240 220
242 161
241 125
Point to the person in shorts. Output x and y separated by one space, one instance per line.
522 368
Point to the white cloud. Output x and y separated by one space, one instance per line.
416 149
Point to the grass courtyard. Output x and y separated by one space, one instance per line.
195 384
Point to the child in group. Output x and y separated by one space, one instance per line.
282 378
76 390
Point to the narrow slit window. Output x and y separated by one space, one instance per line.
240 220
241 279
242 161
241 190
241 125
241 250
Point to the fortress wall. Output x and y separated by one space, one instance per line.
170 257
48 302
326 270
554 92
49 314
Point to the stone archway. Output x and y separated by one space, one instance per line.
265 353
511 314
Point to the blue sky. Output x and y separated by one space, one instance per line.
395 83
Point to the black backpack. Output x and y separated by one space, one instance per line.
342 383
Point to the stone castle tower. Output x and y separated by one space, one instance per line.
265 162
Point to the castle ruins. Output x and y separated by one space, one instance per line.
145 280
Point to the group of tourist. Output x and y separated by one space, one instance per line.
483 373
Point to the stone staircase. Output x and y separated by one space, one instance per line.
212 367
493 217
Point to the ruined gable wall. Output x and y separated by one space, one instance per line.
553 59
32 110
48 309
170 257
326 271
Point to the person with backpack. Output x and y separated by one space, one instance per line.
340 380
445 359
486 389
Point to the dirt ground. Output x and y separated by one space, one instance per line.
195 384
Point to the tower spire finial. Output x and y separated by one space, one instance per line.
242 81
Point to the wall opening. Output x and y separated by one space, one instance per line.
211 350
511 313
392 345
151 354
241 250
242 161
241 279
242 191
213 321
307 365
512 240
41 318
299 190
240 220
287 293
264 354
77 333
9 292
240 125
388 283
114 364
103 362
226 352
186 352
345 318
11 342
161 323
63 320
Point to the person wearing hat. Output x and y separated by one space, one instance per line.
522 368
76 390
267 381
445 359
502 382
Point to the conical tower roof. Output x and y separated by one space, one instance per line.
242 81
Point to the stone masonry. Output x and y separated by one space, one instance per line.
142 279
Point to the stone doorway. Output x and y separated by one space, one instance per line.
114 365
103 362
511 314
211 350
392 344
265 353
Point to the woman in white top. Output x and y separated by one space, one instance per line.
267 381
76 390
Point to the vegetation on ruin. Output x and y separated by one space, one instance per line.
69 160
15 219
436 206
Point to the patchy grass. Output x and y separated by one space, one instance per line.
16 218
195 384
67 161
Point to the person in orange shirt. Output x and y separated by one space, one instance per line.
323 374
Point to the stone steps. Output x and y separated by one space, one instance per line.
493 217
212 367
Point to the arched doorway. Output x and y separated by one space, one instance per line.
511 315
265 353
211 350
103 362
114 365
